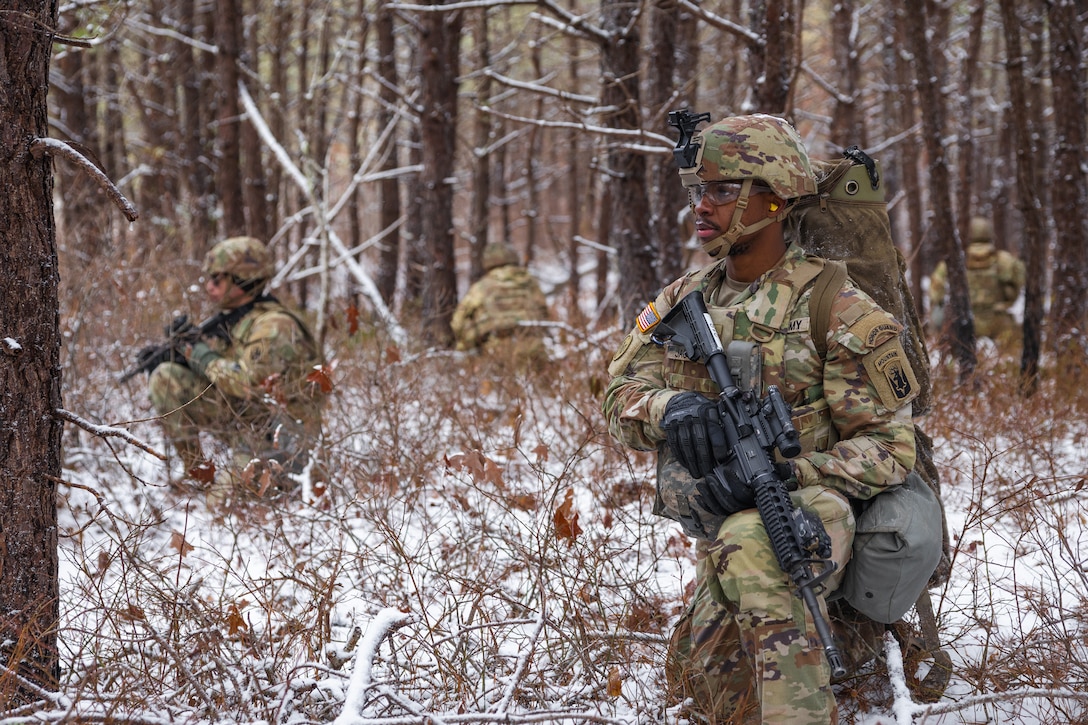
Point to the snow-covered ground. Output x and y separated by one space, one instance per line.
485 553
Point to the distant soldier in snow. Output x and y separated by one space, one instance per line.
994 281
255 382
490 315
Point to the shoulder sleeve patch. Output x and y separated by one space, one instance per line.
891 374
875 328
648 318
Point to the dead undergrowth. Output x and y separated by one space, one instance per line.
484 552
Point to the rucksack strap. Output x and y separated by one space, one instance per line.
824 291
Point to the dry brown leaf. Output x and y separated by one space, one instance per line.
321 377
615 682
235 621
177 541
566 520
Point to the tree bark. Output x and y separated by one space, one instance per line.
440 34
388 189
626 169
228 26
1069 290
1034 247
30 374
961 323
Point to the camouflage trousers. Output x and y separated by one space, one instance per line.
746 650
189 404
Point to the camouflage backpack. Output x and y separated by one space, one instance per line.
847 222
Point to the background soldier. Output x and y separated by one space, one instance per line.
747 644
255 388
490 314
994 281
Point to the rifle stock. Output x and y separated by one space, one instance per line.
753 429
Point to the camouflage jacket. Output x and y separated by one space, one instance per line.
495 304
994 279
852 409
269 359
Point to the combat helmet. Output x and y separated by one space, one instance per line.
980 230
498 255
760 150
246 259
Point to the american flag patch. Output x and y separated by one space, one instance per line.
647 318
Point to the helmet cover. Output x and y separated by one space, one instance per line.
247 259
760 147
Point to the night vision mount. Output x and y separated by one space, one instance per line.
685 121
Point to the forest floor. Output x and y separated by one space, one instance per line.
484 552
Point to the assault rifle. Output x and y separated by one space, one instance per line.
753 429
180 333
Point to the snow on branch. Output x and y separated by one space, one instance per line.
539 88
107 431
385 622
320 212
717 21
41 146
643 135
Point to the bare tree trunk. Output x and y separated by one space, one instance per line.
772 65
258 209
481 162
30 373
388 189
228 36
83 218
846 122
440 34
903 114
1069 290
966 118
193 145
1034 244
626 170
532 165
667 196
577 194
962 324
279 44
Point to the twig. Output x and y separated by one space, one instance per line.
106 431
42 146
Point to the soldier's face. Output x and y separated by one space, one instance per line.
713 219
221 290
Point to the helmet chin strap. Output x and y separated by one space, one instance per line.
720 245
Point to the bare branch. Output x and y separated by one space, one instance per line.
107 431
721 23
42 146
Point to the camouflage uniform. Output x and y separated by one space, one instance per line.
255 393
994 281
488 315
747 638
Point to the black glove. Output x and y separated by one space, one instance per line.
694 432
724 495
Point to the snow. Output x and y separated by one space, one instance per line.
428 583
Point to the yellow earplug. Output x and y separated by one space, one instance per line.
774 207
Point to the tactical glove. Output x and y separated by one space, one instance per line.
694 432
200 356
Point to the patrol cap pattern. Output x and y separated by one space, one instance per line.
758 146
247 258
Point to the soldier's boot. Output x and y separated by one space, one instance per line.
793 679
194 466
